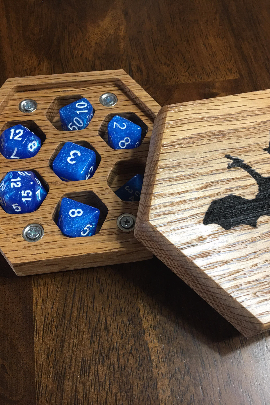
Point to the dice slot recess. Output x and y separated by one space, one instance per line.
88 198
81 143
27 124
103 130
52 113
123 171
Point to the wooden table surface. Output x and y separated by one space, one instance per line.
132 333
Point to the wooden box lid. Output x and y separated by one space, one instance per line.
205 203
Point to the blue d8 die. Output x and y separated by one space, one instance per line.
76 115
123 134
18 142
131 191
21 192
74 162
77 219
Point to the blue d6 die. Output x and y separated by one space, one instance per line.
74 162
77 219
123 134
21 192
76 115
131 191
18 142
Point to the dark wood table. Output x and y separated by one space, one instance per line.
132 333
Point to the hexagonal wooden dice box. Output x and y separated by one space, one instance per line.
55 252
205 204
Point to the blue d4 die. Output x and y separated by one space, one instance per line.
74 162
131 191
123 134
21 192
76 115
18 142
77 219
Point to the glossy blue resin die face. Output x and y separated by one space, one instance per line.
21 192
18 142
131 191
77 115
123 134
77 219
75 162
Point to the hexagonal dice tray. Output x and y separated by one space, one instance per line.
110 245
205 203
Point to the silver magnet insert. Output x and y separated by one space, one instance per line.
108 99
28 106
33 232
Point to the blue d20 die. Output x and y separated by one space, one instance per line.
131 191
76 115
21 192
74 162
123 134
18 142
77 219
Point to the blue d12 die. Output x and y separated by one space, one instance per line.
21 192
18 142
76 115
131 191
77 219
74 162
123 134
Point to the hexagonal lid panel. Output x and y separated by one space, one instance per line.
205 203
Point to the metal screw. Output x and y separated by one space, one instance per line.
126 222
33 232
108 99
28 106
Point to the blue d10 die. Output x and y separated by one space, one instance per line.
21 192
18 142
77 219
76 115
123 134
131 191
74 162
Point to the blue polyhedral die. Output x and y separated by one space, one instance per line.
131 191
76 115
18 142
74 162
123 134
21 192
77 219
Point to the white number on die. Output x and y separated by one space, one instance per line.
27 194
13 156
90 172
81 104
87 229
16 182
16 207
75 213
72 153
126 141
32 146
115 124
19 133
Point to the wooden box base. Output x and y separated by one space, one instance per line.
55 252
